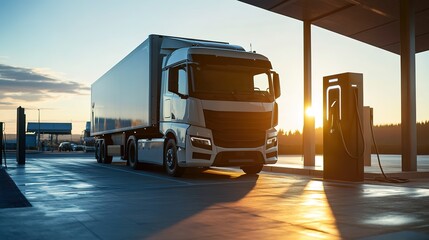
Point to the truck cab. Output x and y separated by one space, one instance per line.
219 107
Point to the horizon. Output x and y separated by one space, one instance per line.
55 50
280 130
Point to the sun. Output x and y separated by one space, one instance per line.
315 114
309 112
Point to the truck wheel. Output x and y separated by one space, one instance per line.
97 152
133 155
103 154
254 169
170 159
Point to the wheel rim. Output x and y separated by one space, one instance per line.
170 158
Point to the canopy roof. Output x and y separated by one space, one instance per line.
49 128
375 22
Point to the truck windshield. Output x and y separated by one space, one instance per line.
231 83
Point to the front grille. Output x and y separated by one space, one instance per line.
238 129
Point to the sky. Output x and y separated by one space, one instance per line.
51 51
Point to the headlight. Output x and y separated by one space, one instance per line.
201 142
271 142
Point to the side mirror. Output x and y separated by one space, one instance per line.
276 82
174 82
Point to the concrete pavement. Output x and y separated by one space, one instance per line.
73 197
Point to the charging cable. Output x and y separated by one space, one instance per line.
381 179
384 178
361 132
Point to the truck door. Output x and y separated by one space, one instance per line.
176 99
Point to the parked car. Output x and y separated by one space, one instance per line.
65 146
78 147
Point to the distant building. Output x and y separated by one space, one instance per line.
53 129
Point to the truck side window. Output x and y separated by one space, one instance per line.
182 81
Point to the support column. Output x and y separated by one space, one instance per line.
20 135
408 86
308 131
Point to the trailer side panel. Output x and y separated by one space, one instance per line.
121 98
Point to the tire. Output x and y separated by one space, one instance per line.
254 169
133 155
103 154
97 152
170 160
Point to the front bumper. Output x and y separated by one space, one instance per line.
204 156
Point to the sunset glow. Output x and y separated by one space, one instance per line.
54 51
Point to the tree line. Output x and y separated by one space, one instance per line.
388 139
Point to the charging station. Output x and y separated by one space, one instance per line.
343 138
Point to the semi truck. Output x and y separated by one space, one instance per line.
181 103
